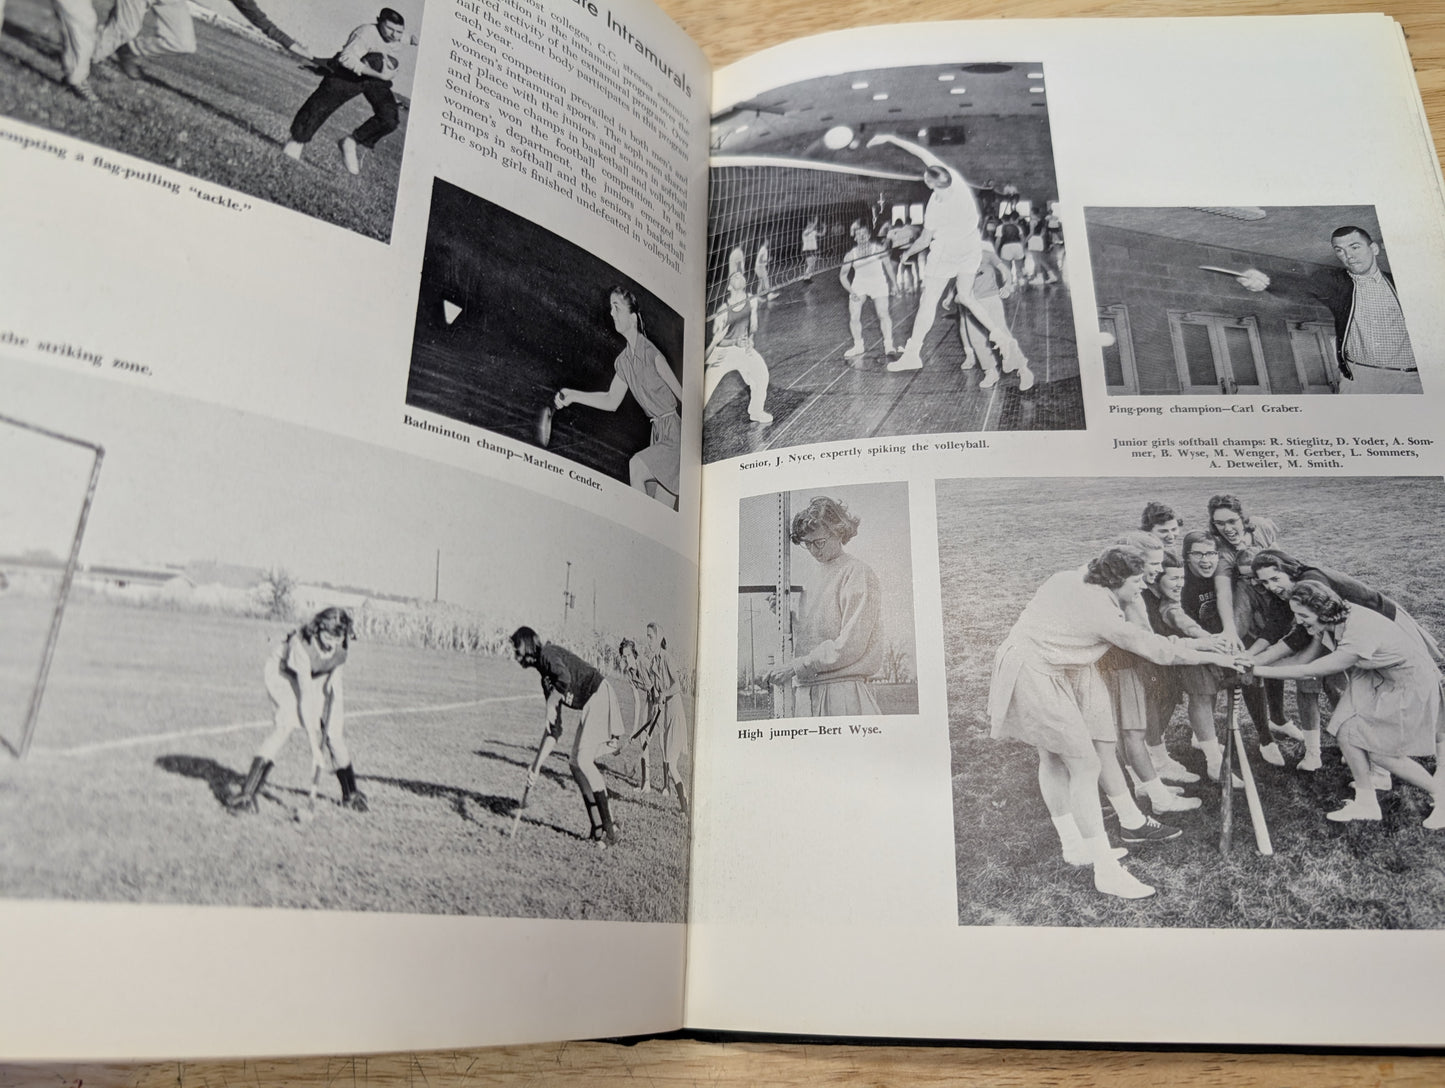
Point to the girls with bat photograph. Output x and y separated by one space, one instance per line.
303 678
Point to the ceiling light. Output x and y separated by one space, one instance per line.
1036 75
1036 90
957 90
881 96
946 77
861 85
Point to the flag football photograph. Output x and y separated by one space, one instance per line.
529 336
300 103
885 258
1196 702
284 668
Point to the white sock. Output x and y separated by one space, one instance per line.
1068 831
1101 852
1159 753
1158 792
1129 815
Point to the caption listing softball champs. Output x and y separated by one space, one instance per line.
569 100
1275 453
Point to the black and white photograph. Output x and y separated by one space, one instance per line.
885 258
1245 300
300 671
525 334
825 604
1196 702
301 103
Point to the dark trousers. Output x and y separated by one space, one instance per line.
338 88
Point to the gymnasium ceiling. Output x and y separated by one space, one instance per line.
1299 234
791 120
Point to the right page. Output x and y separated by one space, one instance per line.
1072 437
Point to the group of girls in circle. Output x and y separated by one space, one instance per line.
1102 655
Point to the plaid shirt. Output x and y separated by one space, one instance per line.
1377 335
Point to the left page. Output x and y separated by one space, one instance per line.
347 358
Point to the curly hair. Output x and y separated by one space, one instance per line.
1158 513
1320 599
827 514
334 621
1115 566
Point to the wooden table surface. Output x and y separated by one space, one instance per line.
728 30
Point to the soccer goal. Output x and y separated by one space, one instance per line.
781 202
43 510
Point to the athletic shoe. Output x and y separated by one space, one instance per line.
294 150
1174 771
1151 831
1271 754
1354 809
84 93
1311 762
761 417
989 380
906 362
1116 880
1078 858
1174 803
357 802
1026 378
970 360
129 63
1436 820
1140 791
1288 729
348 154
853 352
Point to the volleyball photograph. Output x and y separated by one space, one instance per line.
885 258
528 335
825 604
1200 703
300 103
299 671
1244 300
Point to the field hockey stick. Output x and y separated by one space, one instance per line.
1251 793
1226 776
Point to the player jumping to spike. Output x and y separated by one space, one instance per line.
303 678
950 234
567 680
365 67
867 273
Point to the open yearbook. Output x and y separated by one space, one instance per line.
509 534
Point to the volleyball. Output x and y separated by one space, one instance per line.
837 138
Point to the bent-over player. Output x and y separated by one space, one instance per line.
732 349
567 680
175 32
303 679
365 67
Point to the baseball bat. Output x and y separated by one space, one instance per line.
1226 777
1251 794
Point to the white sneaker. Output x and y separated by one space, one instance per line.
1174 803
1026 379
1354 809
970 360
1288 729
1116 880
1141 791
1436 820
1080 858
348 154
1311 762
761 417
1271 754
1174 771
853 352
906 361
989 380
294 150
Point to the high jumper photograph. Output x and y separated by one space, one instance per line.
885 258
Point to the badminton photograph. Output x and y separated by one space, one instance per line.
1200 703
885 258
1246 300
525 334
825 604
300 103
250 664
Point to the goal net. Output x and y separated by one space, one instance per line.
43 511
757 200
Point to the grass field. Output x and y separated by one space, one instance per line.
1000 539
222 115
150 721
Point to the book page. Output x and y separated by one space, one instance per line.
1034 416
350 364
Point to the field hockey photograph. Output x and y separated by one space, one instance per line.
885 258
1196 702
529 336
300 104
825 604
1229 301
247 663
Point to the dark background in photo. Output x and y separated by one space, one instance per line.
533 318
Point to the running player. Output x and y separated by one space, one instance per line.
732 349
866 273
174 32
642 370
950 234
303 679
569 681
